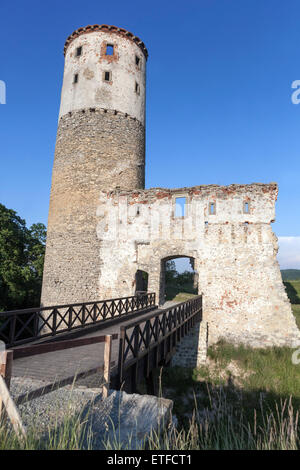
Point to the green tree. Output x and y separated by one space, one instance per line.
22 253
170 271
185 278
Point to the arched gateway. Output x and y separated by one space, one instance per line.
168 288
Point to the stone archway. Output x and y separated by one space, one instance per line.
163 291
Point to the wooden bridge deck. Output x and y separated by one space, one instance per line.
147 338
58 365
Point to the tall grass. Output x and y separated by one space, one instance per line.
254 406
219 426
225 428
71 433
296 312
243 399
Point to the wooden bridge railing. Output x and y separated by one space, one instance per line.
151 342
23 326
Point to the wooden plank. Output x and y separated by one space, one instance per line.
11 410
107 360
8 367
58 346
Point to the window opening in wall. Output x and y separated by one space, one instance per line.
180 206
212 208
107 76
78 51
109 49
137 61
137 88
75 78
246 207
141 282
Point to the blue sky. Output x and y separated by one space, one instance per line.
219 106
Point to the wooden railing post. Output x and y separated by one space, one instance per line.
134 376
94 312
11 410
6 362
12 330
36 324
107 360
83 314
54 322
121 356
70 318
147 328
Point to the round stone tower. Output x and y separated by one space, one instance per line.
100 145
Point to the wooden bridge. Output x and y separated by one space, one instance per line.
57 344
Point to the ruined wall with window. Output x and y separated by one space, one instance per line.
226 230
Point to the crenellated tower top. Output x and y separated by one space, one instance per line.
108 29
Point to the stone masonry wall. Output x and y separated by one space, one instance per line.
234 255
96 150
192 349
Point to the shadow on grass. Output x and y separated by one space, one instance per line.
196 392
292 293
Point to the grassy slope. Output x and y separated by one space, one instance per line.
180 293
296 312
244 393
267 373
296 285
293 291
182 297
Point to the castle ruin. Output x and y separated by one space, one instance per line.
104 227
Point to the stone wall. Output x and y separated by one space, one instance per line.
234 254
96 149
191 351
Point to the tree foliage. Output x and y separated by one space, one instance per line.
22 253
170 271
172 276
